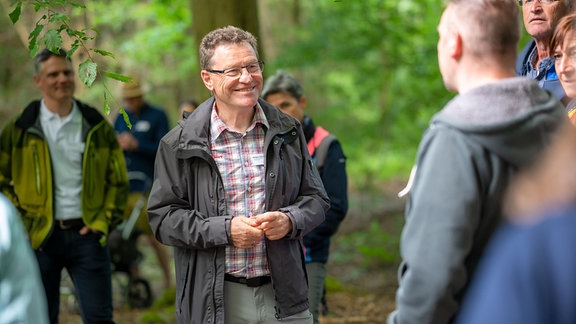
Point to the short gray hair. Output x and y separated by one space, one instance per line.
45 54
224 35
282 82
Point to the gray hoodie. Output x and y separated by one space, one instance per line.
465 161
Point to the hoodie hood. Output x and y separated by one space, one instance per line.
505 117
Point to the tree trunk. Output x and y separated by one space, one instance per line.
277 20
208 15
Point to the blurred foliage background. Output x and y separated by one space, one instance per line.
369 67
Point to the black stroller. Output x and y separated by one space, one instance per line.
124 253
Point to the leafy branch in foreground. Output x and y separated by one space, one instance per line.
53 22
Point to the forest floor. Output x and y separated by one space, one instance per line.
361 272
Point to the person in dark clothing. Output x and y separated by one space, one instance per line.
535 60
140 143
527 274
186 107
285 92
498 124
234 192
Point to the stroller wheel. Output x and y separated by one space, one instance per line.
139 293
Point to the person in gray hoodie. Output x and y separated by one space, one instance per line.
497 124
234 192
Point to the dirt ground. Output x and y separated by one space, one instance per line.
365 294
368 296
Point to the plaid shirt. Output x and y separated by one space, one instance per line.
241 161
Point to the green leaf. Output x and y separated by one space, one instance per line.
119 77
106 105
15 14
40 5
103 52
58 17
63 27
34 34
126 118
53 40
76 4
87 72
33 49
33 45
73 48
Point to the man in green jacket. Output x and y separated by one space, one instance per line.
62 167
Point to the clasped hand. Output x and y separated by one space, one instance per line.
127 141
248 231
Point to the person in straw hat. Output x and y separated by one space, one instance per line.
140 143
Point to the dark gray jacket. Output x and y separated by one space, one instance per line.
465 161
187 208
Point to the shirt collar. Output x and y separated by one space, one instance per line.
48 116
547 64
217 126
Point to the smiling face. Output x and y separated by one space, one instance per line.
55 79
565 61
240 92
541 19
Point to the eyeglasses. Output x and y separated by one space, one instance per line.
234 72
529 2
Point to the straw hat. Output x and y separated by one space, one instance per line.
131 89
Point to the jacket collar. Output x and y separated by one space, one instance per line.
31 114
195 129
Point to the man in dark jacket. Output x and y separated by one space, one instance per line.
498 123
234 192
285 92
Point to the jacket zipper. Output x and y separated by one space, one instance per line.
214 286
90 163
36 169
283 169
214 194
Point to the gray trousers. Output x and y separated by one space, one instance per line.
243 304
316 277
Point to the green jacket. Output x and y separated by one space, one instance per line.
26 173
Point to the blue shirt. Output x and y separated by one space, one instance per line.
545 74
528 275
148 127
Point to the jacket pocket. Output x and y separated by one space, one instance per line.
96 174
183 281
30 176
